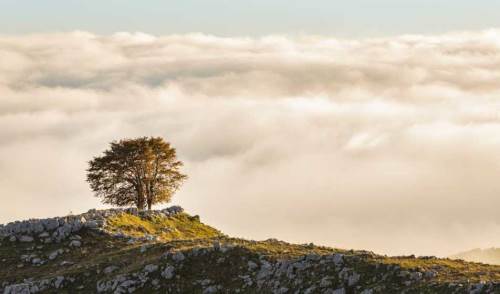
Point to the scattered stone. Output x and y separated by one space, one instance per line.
149 237
168 272
110 269
416 276
150 268
143 248
23 288
36 261
92 224
44 235
75 243
353 279
337 259
26 239
252 265
178 256
210 290
325 282
55 253
59 282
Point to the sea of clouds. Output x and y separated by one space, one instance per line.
389 144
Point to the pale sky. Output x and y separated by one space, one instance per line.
354 125
254 18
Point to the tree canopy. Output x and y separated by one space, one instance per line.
141 172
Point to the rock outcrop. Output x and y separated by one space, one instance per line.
58 229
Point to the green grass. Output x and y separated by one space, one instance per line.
178 227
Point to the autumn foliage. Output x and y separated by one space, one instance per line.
141 172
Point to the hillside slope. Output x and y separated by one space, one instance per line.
490 255
169 251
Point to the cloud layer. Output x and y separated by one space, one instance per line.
391 145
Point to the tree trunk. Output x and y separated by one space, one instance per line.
140 200
150 196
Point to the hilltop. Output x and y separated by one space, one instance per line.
170 251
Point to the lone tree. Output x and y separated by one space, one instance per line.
140 172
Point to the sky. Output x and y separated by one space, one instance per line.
385 140
354 18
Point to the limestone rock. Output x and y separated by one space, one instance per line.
26 239
110 269
178 256
168 272
150 268
75 243
59 282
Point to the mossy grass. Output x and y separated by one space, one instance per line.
177 227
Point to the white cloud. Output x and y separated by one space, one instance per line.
383 144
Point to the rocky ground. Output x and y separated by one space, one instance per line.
169 251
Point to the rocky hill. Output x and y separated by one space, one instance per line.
490 255
169 251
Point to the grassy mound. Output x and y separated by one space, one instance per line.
178 227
